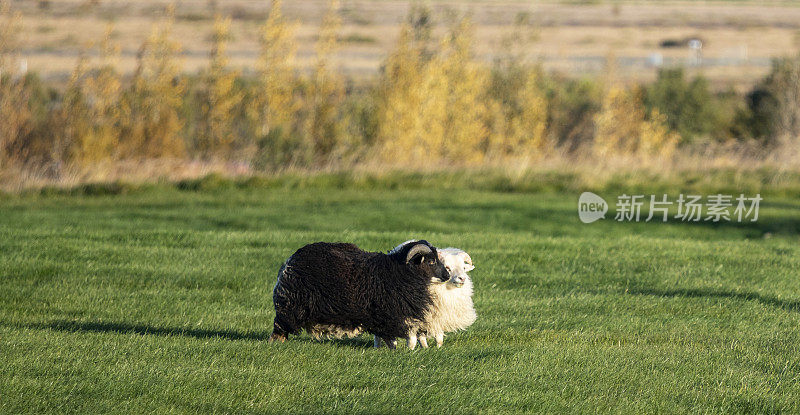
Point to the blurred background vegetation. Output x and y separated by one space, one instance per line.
269 89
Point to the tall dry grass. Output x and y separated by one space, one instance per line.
15 117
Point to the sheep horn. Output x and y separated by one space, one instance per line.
418 249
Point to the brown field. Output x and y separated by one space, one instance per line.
574 39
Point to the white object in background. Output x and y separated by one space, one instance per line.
655 60
695 45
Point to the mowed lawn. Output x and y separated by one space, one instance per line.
160 302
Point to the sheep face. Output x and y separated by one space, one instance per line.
457 263
434 268
460 254
423 258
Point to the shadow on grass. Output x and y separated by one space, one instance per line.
141 329
789 305
767 225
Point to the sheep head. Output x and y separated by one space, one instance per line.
422 256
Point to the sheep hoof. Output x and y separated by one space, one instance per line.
412 341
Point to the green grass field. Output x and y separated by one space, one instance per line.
159 301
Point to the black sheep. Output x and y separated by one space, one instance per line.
336 289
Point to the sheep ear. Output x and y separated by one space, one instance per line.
418 250
467 261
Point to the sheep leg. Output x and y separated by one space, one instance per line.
288 320
278 331
439 339
412 340
389 343
423 341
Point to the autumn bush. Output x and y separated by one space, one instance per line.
433 104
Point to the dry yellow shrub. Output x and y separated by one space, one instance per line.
150 109
324 126
433 109
73 121
87 122
466 133
215 130
408 107
519 110
618 123
622 127
529 127
102 89
656 138
105 88
520 125
275 102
